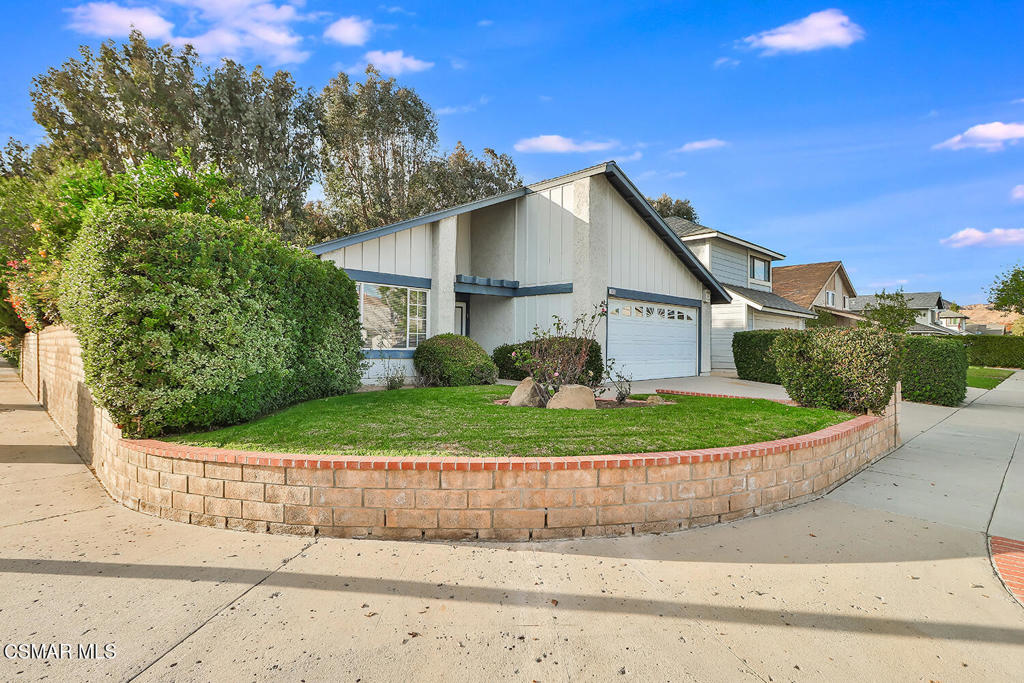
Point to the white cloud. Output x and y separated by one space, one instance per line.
828 28
465 108
635 156
349 31
457 63
726 63
1019 100
697 145
989 136
997 237
110 20
1017 193
675 174
485 22
559 145
396 62
396 9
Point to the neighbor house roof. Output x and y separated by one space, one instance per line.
928 328
689 231
951 314
623 185
919 300
801 283
769 301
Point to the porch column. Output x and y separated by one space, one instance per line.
441 302
590 247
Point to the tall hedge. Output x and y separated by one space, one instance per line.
995 351
751 351
188 321
839 368
507 368
934 370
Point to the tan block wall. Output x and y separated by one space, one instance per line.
446 498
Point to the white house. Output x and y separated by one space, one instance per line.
745 270
495 268
927 307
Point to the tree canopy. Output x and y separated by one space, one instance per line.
890 312
1007 292
667 206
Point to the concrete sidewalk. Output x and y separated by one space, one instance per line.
834 589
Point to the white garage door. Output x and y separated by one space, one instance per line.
767 321
652 341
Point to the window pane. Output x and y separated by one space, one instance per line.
384 317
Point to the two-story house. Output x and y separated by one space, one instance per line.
745 270
823 287
926 306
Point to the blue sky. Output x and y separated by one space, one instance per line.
882 134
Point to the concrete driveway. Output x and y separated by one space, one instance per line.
874 582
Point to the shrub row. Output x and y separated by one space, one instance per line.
507 368
751 351
995 352
934 370
188 321
452 360
839 368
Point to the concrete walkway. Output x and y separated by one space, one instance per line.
860 585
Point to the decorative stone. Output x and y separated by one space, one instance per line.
528 394
655 400
573 397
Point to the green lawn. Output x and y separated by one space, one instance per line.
986 378
465 421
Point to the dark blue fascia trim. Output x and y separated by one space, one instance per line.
637 295
487 281
387 353
388 278
533 290
349 240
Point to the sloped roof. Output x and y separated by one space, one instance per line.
688 230
615 177
923 328
918 300
801 283
951 314
684 227
769 300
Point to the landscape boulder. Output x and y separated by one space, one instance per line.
574 397
527 393
655 400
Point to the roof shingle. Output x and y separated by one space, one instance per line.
802 283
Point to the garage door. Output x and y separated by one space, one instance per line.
767 321
652 341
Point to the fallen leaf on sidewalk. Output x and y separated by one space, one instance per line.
372 614
554 602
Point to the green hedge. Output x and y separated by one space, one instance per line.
507 364
452 360
751 351
934 370
838 368
995 352
188 321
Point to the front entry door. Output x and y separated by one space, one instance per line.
461 318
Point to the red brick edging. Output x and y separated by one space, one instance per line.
1008 559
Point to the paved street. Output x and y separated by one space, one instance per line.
887 578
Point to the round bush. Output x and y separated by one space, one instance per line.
452 360
507 368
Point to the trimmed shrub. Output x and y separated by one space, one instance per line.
452 360
934 370
995 351
189 321
507 368
751 351
839 368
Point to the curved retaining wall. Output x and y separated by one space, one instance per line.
447 498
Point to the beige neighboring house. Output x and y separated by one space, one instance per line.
955 320
745 270
927 307
821 287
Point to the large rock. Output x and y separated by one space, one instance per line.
528 393
574 397
655 400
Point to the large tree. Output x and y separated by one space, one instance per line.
1007 292
890 312
461 177
667 206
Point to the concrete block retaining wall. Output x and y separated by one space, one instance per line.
445 498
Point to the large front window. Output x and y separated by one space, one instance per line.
392 317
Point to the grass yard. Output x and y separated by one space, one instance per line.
986 378
465 421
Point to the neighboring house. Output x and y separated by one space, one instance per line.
494 269
994 329
822 287
745 269
954 320
926 306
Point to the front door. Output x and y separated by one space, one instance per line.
461 318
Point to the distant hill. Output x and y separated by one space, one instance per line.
982 314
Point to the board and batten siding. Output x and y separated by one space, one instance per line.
531 311
726 320
544 237
639 260
406 252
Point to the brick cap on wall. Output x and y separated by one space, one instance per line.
441 463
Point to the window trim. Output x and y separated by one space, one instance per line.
767 268
830 298
408 304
